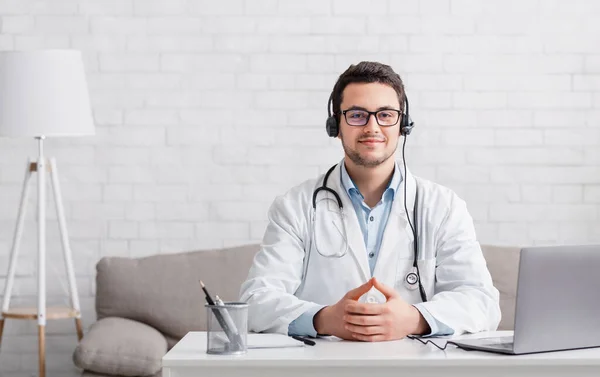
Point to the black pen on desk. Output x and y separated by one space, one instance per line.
308 342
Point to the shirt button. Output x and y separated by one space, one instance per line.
371 218
371 254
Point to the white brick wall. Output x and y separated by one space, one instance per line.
205 110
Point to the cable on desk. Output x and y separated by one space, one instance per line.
432 342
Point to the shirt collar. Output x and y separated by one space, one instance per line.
351 189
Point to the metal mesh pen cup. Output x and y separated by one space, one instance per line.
226 328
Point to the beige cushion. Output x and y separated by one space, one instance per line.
121 347
503 264
164 292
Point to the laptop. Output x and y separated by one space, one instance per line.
558 302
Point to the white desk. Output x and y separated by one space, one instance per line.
334 357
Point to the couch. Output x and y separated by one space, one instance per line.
144 306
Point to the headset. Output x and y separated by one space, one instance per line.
413 278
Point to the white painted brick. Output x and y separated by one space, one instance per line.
163 43
152 81
180 155
471 137
592 63
491 24
282 82
470 174
559 118
300 44
7 42
56 7
338 25
159 7
305 8
543 231
174 211
61 24
128 25
258 228
130 136
261 7
587 83
432 43
520 137
137 62
123 229
117 193
567 194
551 101
573 233
143 248
229 25
570 43
282 100
550 174
21 24
191 136
106 211
238 211
140 211
240 44
106 7
513 232
211 8
437 156
241 175
505 119
174 26
434 7
470 100
432 82
574 137
419 63
517 82
525 156
252 81
123 156
96 43
216 192
436 100
536 194
196 63
166 229
381 25
591 193
358 7
36 42
152 117
442 24
131 174
222 230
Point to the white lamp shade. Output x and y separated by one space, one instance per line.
44 93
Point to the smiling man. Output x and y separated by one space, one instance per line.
368 251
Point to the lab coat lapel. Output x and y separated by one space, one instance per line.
397 236
356 243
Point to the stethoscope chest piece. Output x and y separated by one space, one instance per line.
411 279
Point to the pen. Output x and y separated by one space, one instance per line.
308 342
234 338
226 316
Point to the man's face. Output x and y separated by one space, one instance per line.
372 144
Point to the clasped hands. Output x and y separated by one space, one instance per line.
371 322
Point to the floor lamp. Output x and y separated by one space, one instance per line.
43 94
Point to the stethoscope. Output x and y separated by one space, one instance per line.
412 280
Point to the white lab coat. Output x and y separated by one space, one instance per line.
288 276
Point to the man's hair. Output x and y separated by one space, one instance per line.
366 72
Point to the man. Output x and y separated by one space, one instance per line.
342 262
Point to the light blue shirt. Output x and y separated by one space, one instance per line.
372 224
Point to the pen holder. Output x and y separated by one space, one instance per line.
227 328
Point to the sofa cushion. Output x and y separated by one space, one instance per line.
164 292
122 347
503 264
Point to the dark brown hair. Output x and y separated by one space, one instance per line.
366 72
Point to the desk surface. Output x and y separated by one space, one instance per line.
191 352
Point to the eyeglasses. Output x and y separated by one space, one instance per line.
385 118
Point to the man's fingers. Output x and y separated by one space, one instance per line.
368 309
365 330
363 320
387 291
370 338
357 292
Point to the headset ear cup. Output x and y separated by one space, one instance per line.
406 125
332 126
